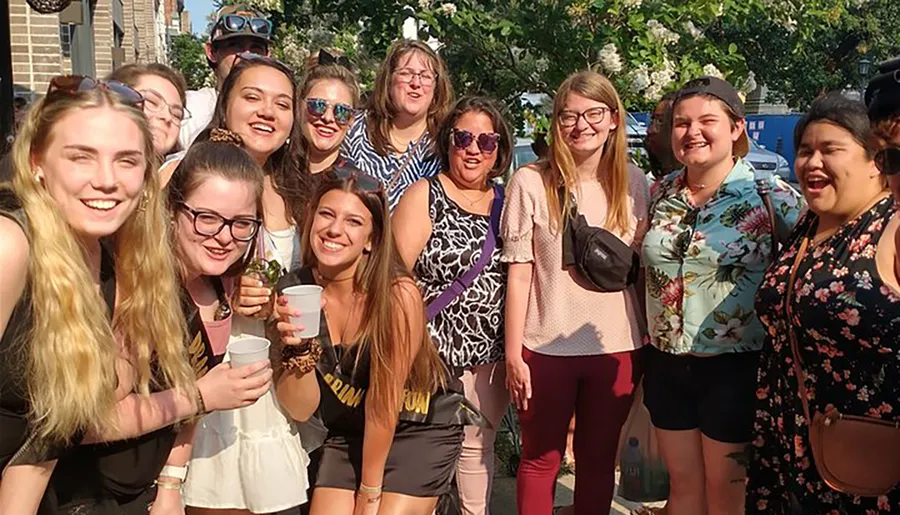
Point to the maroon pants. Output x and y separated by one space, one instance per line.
598 389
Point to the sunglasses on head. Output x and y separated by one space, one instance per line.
73 84
487 141
317 107
888 161
364 181
238 23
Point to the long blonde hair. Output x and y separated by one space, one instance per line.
612 172
71 350
377 278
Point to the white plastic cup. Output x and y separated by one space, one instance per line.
307 299
245 351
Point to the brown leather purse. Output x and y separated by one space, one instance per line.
853 454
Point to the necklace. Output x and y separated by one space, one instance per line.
469 200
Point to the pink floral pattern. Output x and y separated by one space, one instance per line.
847 323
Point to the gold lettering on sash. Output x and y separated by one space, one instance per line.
328 379
416 402
336 386
355 397
197 356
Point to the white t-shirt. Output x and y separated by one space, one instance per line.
201 104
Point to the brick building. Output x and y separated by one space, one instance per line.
90 37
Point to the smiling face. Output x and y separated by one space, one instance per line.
470 166
703 135
213 255
161 97
323 133
341 231
412 98
586 138
94 167
836 176
260 109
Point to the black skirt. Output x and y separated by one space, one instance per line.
420 463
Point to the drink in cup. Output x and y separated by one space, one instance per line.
307 299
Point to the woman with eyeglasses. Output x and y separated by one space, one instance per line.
830 306
91 385
163 90
446 221
394 140
571 347
394 425
711 237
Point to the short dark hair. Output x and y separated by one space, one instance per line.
469 104
844 112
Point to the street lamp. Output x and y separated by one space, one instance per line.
863 67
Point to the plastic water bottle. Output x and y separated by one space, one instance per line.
632 471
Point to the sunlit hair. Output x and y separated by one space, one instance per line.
377 278
284 164
220 156
612 172
71 352
489 108
382 109
130 74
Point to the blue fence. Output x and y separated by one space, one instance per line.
773 132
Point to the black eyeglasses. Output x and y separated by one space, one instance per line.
888 160
210 223
487 141
364 181
237 23
592 116
73 84
317 107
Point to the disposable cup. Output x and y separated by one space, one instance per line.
245 351
307 299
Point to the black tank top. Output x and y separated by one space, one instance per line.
95 479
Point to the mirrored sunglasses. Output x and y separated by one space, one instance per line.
237 23
317 107
487 141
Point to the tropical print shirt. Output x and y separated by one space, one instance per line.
705 263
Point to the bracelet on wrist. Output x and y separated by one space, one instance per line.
201 406
174 485
302 358
372 490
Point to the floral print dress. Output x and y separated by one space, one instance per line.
847 324
704 263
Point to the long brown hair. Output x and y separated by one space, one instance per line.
612 172
71 351
284 164
382 109
378 278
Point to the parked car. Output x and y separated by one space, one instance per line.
763 159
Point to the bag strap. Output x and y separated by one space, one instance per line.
763 181
487 250
410 153
795 347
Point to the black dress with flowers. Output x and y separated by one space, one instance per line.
847 323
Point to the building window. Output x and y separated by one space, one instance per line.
118 37
66 32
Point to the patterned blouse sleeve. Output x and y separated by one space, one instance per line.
351 143
789 206
517 221
640 192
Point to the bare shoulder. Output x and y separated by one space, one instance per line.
166 171
14 252
406 291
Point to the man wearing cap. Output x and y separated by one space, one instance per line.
238 28
883 102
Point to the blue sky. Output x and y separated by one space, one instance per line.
199 9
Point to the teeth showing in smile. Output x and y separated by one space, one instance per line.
263 127
699 144
102 205
325 131
217 252
330 245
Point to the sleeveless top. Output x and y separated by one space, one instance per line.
115 473
469 331
343 376
846 320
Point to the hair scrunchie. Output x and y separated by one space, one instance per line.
225 136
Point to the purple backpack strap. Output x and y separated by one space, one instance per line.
487 250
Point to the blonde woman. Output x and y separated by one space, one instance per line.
571 349
394 140
85 260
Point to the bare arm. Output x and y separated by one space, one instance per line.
518 375
22 486
412 223
168 499
378 434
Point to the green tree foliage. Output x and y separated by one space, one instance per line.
187 55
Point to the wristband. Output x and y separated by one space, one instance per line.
174 472
166 485
371 490
201 406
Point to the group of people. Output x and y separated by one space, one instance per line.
143 228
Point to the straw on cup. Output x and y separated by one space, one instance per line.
306 299
245 351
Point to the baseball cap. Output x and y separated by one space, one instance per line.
883 92
724 91
220 32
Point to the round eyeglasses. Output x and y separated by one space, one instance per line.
210 223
